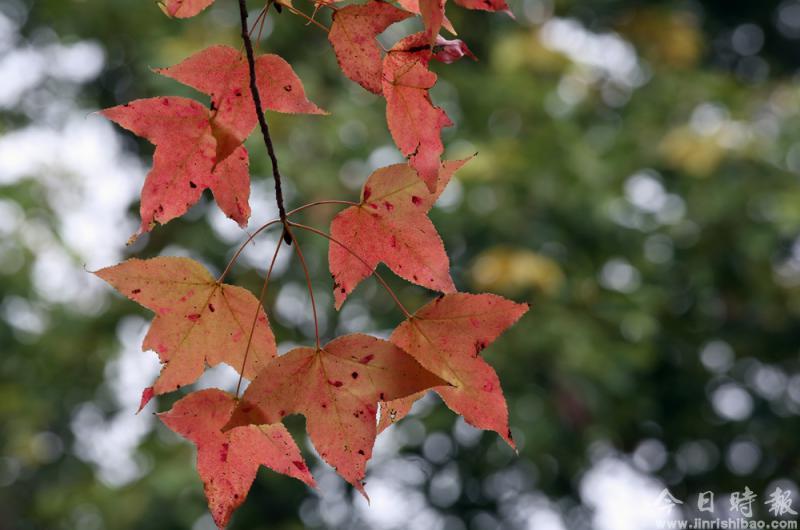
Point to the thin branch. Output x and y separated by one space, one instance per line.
308 283
255 317
262 121
359 258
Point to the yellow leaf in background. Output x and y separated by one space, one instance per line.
513 270
666 37
525 50
695 154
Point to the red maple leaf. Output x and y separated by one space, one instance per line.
337 388
415 123
184 8
353 37
227 462
390 225
222 73
184 163
447 337
198 321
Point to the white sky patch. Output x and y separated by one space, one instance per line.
393 484
605 54
622 497
88 182
110 442
732 402
619 275
24 68
221 376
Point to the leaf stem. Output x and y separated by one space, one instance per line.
255 317
308 283
262 121
261 15
308 18
317 203
241 248
270 223
359 258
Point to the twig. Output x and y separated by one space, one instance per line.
262 121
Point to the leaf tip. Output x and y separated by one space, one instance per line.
509 439
360 488
164 9
147 395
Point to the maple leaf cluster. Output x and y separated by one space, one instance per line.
357 385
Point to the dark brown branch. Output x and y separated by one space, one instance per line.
262 121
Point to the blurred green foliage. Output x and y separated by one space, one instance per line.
636 182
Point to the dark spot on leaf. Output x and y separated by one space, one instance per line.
382 396
337 384
354 375
416 200
361 451
211 307
194 317
287 88
299 465
192 184
136 291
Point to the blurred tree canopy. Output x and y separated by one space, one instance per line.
636 182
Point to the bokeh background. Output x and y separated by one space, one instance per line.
637 183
